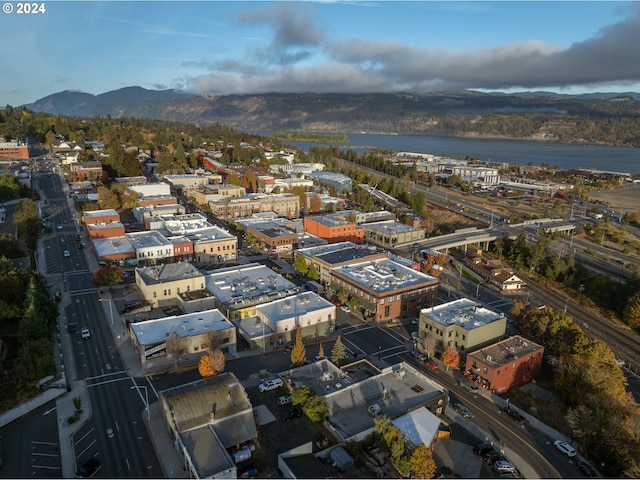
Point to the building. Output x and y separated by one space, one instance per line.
334 228
215 193
276 321
210 421
239 290
161 285
462 324
340 182
114 249
14 150
494 272
190 183
504 365
276 240
100 216
325 258
385 289
151 247
142 213
88 171
181 335
391 234
104 230
283 204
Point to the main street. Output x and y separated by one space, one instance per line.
115 433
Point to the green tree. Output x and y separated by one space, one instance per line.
298 352
107 276
300 264
34 322
26 218
314 406
422 463
9 188
338 353
313 273
631 312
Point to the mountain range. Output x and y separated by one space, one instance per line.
405 113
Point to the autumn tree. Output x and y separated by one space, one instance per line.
321 351
631 312
107 199
338 353
422 463
342 296
204 367
451 357
176 345
315 203
107 276
298 352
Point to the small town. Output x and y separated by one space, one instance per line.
259 316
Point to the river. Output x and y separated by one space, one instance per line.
615 159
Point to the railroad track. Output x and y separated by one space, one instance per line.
624 343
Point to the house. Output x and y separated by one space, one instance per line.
494 272
161 285
208 421
507 364
334 228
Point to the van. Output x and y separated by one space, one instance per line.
271 384
285 400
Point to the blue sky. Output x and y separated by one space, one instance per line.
218 47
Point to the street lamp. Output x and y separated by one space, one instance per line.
110 308
478 288
146 394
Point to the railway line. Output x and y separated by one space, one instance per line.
624 343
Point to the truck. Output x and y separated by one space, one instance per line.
314 287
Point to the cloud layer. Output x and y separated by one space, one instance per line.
300 58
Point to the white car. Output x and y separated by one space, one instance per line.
565 448
344 308
59 227
66 253
86 333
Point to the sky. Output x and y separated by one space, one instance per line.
221 47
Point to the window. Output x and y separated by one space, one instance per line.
484 370
387 310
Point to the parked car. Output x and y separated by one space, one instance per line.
345 308
285 400
517 416
565 448
293 412
464 411
85 332
419 355
482 448
502 466
271 384
130 307
431 364
469 385
587 470
88 468
72 327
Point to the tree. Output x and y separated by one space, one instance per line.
217 361
298 352
631 312
451 357
204 367
107 199
422 463
313 273
177 345
107 276
338 353
300 264
314 406
342 296
321 351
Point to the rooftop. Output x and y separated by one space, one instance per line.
391 227
383 275
148 239
245 283
105 247
100 213
463 312
300 304
152 332
506 351
349 254
169 272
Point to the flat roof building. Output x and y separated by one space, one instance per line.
463 324
162 284
387 290
182 335
391 234
239 290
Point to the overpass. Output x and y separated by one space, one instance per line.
482 237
